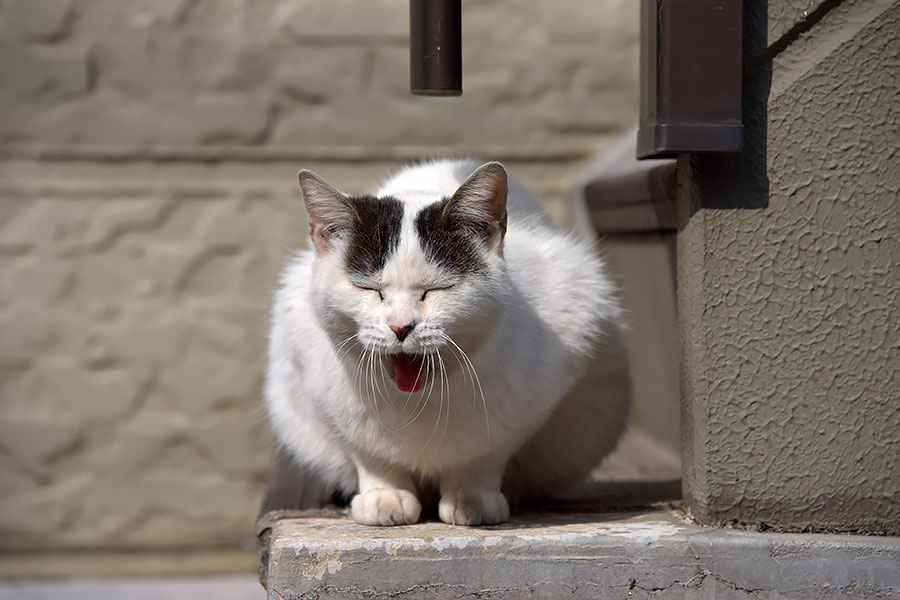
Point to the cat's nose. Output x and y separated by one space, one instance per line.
402 332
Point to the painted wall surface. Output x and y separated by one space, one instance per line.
789 287
148 198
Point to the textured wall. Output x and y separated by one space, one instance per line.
311 72
148 199
789 274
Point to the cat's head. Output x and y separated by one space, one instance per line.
409 276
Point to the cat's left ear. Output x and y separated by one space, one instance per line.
480 203
329 211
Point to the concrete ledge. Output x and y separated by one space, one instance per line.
600 555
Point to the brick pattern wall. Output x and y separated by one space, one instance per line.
148 152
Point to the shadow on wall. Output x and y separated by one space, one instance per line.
750 166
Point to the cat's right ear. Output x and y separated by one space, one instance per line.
329 211
480 203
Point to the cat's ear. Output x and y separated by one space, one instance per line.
480 203
330 211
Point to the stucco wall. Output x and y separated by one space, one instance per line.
789 275
148 198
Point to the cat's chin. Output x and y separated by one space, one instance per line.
409 371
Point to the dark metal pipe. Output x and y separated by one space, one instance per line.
435 47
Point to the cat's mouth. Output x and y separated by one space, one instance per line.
409 371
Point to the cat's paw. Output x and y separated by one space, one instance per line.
386 507
473 507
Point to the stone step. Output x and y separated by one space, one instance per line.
652 553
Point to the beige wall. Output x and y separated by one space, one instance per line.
148 199
539 76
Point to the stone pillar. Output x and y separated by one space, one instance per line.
789 281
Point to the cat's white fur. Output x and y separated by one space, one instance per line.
540 329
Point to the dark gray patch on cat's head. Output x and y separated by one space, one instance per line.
447 241
374 235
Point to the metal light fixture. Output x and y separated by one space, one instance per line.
435 47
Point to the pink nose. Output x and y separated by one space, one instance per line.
402 332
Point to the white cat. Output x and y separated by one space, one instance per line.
423 343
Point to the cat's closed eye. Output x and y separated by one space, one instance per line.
370 289
435 289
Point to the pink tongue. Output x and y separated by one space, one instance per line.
409 371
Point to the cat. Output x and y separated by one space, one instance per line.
424 341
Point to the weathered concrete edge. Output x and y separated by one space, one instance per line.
731 563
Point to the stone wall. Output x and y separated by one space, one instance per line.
538 76
789 271
148 199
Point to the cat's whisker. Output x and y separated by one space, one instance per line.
406 403
344 350
360 380
440 413
418 374
370 376
363 381
356 370
464 371
487 425
368 381
422 404
371 385
350 348
433 372
470 367
359 376
447 377
337 350
384 393
423 400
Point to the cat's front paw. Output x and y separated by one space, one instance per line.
473 507
385 507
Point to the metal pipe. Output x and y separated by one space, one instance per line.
435 47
